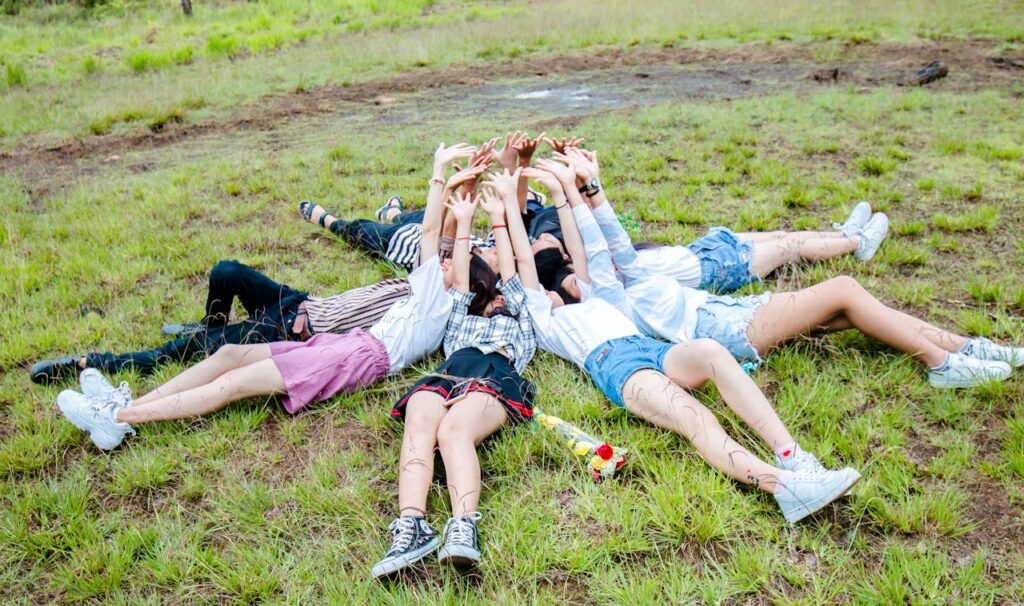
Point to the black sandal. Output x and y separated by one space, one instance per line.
393 202
306 210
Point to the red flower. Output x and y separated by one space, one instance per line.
605 451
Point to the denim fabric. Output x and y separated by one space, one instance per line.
724 260
613 362
725 319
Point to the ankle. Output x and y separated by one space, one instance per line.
941 365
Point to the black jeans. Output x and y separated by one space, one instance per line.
372 236
272 308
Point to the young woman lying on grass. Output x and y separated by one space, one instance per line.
752 326
303 372
471 396
650 378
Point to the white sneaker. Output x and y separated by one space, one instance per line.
801 460
808 491
462 542
858 218
97 415
871 235
985 349
94 384
964 371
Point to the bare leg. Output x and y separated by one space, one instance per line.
319 211
767 236
654 397
466 425
225 359
771 255
423 415
789 315
259 379
694 363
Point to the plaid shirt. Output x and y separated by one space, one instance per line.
491 334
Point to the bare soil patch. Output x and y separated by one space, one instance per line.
46 165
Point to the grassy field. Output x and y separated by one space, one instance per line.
253 505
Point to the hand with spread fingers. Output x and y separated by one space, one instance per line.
559 145
444 157
526 148
466 176
507 156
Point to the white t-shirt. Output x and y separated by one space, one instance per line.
573 331
414 326
676 262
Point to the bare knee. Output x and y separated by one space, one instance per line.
453 433
230 354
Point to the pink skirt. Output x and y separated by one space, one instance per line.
327 364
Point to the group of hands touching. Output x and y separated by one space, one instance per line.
570 166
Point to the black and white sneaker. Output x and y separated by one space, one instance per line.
182 329
461 542
414 540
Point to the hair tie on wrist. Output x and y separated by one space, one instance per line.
499 226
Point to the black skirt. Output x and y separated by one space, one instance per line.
469 370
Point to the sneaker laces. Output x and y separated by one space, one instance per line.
122 396
404 531
460 530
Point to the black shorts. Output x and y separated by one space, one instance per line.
469 370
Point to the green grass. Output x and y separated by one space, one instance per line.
151 59
252 505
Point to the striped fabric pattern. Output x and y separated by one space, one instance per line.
404 246
357 308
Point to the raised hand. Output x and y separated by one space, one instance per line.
507 155
465 176
545 178
445 156
583 173
463 207
559 145
565 174
492 204
526 147
504 183
484 155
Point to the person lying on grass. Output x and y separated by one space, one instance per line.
302 372
651 378
396 233
752 326
276 312
472 395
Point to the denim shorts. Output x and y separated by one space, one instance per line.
725 319
724 260
614 361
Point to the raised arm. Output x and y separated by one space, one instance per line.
462 208
580 222
525 148
494 205
443 159
585 165
503 186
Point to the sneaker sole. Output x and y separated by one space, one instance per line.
944 384
397 565
815 506
460 558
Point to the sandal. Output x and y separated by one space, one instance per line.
393 202
306 210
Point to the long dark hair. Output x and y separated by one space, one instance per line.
552 269
483 283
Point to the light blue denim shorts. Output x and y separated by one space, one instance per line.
725 319
613 362
724 260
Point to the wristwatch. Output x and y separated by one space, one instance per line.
591 189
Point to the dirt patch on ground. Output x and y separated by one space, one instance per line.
972 65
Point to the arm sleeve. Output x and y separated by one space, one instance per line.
515 295
619 244
603 283
460 307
